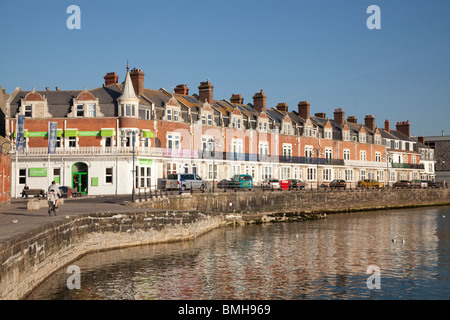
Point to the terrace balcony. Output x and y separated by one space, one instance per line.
407 165
206 154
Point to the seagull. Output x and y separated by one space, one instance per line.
393 240
403 241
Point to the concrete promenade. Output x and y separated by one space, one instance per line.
16 220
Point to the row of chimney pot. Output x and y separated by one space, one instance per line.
259 101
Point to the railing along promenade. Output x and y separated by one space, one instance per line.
200 154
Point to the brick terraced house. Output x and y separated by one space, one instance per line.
176 132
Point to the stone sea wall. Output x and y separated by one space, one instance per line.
29 259
299 201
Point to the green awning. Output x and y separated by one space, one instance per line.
25 133
59 133
147 134
71 133
107 133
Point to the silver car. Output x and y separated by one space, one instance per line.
185 181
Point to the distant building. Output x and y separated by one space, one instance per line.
441 147
5 157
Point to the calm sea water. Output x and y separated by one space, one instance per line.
323 259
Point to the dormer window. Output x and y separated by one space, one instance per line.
91 110
327 133
362 137
207 118
263 126
236 122
287 128
29 111
173 114
80 110
346 135
310 131
377 139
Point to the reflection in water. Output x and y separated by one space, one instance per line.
322 259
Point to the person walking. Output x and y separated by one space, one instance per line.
54 189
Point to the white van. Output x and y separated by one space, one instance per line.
185 180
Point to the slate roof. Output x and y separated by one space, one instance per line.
59 102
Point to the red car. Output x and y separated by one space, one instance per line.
338 184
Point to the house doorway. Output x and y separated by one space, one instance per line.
80 177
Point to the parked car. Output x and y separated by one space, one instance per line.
271 184
370 184
338 184
432 184
416 184
297 184
186 181
401 184
224 184
241 181
424 183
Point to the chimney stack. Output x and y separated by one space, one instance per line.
369 121
282 107
237 98
303 109
137 79
259 101
339 116
205 92
110 78
403 127
387 126
352 119
182 89
321 115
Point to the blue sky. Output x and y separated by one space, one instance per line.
315 50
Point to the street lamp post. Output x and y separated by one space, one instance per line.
133 142
317 173
212 144
133 134
387 156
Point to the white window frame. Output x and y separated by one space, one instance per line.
362 155
91 110
327 174
311 174
173 141
287 150
346 154
377 156
309 152
349 175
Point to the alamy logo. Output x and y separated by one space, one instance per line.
374 21
374 281
73 21
74 280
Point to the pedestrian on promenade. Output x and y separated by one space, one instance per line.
24 194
